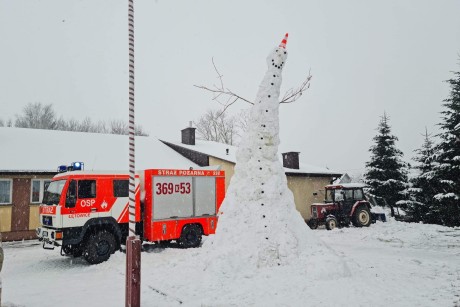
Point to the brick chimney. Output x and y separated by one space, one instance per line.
291 159
188 135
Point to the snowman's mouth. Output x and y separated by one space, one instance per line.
277 64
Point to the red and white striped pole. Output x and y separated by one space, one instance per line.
133 243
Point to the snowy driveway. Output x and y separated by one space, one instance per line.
403 264
391 264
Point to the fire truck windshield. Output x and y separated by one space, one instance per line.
53 193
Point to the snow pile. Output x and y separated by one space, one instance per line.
258 224
394 264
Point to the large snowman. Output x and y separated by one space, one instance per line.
258 221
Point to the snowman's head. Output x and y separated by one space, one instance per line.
278 56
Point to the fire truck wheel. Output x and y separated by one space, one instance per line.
331 223
362 217
99 247
74 250
190 236
164 243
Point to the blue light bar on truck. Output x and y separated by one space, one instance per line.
74 166
77 166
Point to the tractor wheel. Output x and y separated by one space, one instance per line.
190 236
331 223
99 247
362 217
313 223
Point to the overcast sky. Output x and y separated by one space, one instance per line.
366 57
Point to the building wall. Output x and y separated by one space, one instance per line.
302 187
5 218
34 217
226 166
19 219
307 190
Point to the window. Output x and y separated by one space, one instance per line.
71 196
359 194
37 189
6 190
53 192
348 194
338 195
86 188
121 188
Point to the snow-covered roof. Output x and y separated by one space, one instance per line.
219 150
36 150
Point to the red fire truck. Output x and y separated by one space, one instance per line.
86 213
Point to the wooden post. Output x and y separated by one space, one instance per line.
133 269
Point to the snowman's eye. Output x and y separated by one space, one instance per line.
276 50
284 52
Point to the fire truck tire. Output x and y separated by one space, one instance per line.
362 217
99 247
74 250
190 236
331 223
164 243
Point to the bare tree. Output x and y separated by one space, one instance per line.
100 127
9 123
118 127
2 123
139 130
37 116
226 97
121 127
61 124
242 121
86 125
216 126
72 125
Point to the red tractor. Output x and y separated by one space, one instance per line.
344 203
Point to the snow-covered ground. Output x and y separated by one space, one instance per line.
389 264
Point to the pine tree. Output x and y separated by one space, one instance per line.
447 169
421 206
386 173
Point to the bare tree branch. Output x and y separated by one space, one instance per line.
222 95
227 97
293 94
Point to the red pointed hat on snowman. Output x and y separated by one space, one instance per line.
284 41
